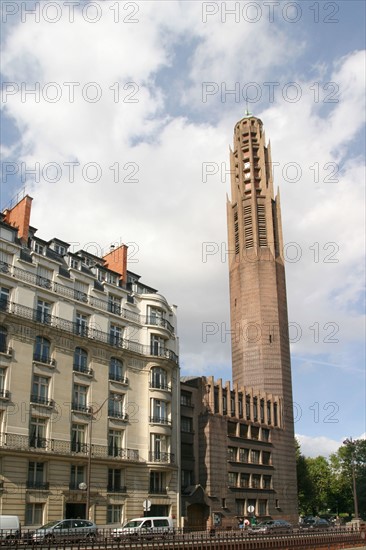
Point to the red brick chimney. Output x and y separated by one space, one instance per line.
116 260
19 217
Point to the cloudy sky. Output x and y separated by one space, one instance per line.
118 116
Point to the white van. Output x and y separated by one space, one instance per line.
9 527
146 527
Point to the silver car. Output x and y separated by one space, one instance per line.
66 529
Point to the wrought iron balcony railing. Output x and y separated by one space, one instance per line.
90 333
161 457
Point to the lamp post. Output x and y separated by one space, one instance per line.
351 444
88 471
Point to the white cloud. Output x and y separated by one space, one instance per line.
170 212
317 446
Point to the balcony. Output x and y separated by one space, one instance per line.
82 369
159 322
80 407
79 447
160 420
40 485
116 489
5 394
41 400
117 415
114 377
44 358
23 443
157 490
25 312
160 385
168 458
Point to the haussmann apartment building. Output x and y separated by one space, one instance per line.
89 383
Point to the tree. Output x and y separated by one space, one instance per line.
350 455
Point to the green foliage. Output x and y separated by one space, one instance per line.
326 484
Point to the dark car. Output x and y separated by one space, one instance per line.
66 529
279 526
314 523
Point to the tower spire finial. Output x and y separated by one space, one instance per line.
247 112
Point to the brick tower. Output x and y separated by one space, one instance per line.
258 304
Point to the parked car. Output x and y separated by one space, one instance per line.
66 529
314 523
9 528
146 527
278 526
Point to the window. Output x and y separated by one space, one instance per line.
115 438
262 507
266 458
243 431
186 399
159 411
157 345
267 481
43 312
74 263
42 350
77 476
255 409
256 481
275 414
187 478
79 398
59 249
265 434
44 277
254 432
240 506
40 390
186 424
269 417
81 291
114 304
114 480
4 298
81 325
240 403
3 391
116 406
3 339
36 471
231 428
261 408
34 514
254 456
37 432
80 360
78 444
116 370
160 447
243 455
159 378
244 480
155 316
38 247
187 451
231 454
114 513
115 335
157 482
232 478
247 407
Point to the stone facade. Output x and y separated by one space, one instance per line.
88 371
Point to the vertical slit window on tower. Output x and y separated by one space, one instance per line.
248 226
236 232
262 229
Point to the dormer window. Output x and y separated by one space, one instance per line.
74 263
59 249
38 248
